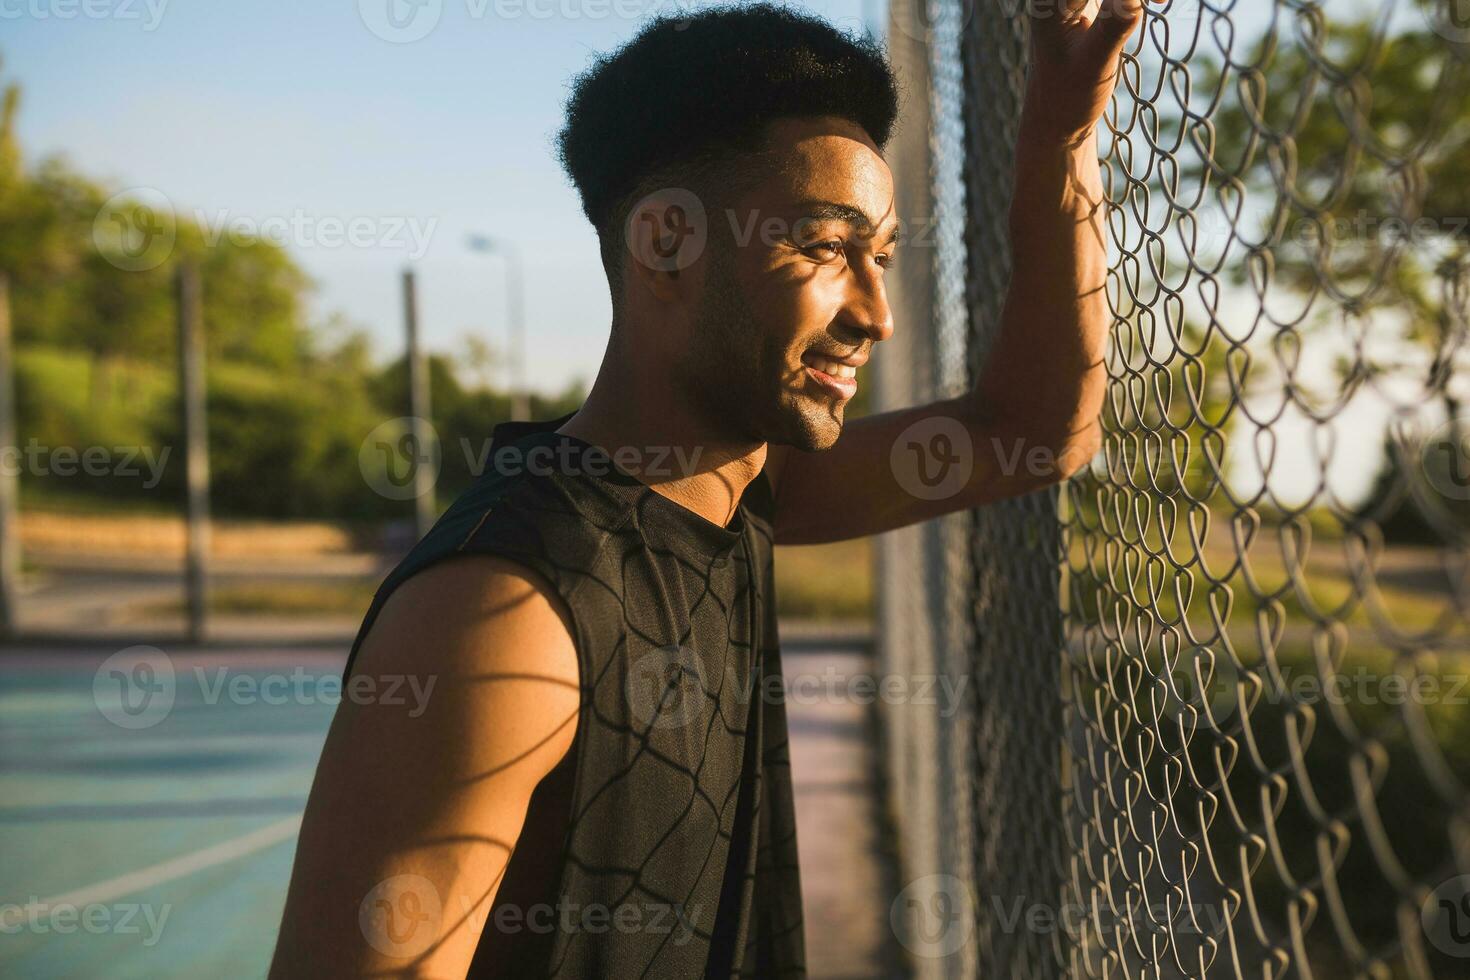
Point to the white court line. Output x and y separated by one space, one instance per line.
136 881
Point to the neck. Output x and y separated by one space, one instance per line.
635 409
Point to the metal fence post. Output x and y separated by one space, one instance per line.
9 477
1016 550
196 448
924 574
906 637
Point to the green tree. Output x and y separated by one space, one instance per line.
1350 149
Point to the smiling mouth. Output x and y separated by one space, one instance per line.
837 377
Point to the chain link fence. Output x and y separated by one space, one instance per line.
923 593
1220 723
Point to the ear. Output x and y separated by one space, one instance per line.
666 233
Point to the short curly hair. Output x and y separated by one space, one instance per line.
686 101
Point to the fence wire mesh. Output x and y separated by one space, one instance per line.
1222 724
926 593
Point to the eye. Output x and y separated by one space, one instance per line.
828 249
885 260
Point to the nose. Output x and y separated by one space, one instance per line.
866 308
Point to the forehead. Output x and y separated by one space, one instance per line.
825 159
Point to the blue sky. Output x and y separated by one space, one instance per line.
301 113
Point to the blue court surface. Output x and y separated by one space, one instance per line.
149 804
150 800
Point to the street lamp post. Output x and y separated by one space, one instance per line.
520 402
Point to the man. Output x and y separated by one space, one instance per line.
599 783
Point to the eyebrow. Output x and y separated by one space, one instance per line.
823 210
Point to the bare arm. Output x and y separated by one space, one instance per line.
417 805
1032 417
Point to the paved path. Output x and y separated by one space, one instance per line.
95 595
845 881
172 832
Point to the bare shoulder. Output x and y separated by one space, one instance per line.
494 638
474 610
432 785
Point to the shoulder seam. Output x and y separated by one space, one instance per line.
476 529
597 548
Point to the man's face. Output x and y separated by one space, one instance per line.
793 307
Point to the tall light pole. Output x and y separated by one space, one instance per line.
520 400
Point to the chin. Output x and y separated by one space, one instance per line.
810 426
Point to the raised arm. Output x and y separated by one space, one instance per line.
418 800
1032 418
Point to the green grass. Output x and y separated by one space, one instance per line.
70 399
85 504
1305 731
280 599
824 582
1287 746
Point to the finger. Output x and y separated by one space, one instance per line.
1116 19
1050 18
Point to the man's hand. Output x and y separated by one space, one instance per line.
1075 48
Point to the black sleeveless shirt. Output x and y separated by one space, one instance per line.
673 807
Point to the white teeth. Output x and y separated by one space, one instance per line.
835 368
